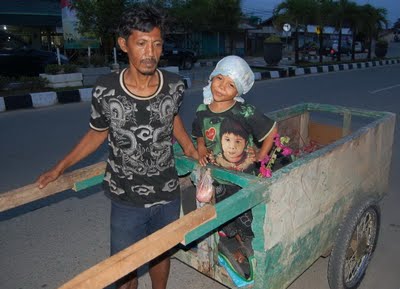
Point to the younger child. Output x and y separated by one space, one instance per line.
226 128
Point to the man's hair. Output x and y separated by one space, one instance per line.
141 17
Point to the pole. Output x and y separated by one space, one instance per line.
58 56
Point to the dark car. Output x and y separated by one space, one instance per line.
17 58
174 56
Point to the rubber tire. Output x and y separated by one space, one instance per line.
337 260
186 64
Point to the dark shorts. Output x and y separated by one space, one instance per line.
131 224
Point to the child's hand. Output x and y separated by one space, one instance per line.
252 154
205 156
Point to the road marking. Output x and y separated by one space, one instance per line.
383 89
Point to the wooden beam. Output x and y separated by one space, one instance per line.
128 260
30 193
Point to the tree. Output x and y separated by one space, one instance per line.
298 13
342 13
373 21
100 18
207 15
324 8
396 25
354 20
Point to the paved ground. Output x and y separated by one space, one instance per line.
48 242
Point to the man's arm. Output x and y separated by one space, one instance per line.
88 144
183 138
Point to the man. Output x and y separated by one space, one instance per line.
136 110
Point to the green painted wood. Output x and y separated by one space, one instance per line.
88 183
282 260
346 123
231 207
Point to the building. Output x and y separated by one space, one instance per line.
37 22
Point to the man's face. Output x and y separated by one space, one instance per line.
233 146
143 49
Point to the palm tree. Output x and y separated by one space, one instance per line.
342 12
324 8
354 20
298 13
373 21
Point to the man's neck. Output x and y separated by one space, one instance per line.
141 84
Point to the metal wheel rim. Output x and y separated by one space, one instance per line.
187 63
360 247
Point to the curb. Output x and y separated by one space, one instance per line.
321 69
50 98
44 99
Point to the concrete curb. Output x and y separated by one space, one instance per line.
321 69
49 98
44 99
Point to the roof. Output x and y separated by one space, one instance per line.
30 13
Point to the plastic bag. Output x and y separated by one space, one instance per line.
205 188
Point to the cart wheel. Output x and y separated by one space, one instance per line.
354 245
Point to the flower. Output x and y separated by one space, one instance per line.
279 147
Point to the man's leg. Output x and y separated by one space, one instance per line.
129 281
159 271
161 216
128 225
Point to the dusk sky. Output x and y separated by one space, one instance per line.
263 8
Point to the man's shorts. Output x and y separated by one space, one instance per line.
131 224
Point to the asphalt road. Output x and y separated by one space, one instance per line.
44 244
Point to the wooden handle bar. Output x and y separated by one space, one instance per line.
128 260
30 193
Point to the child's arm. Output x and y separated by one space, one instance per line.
183 138
203 152
266 145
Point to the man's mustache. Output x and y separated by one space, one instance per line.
149 60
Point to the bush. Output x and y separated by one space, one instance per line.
4 81
70 68
52 68
58 69
96 60
23 84
273 39
382 43
35 83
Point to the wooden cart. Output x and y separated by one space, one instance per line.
324 203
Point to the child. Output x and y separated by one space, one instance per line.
226 128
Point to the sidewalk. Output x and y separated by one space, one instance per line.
196 78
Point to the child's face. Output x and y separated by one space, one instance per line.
233 146
223 88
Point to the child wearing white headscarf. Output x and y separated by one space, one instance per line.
226 129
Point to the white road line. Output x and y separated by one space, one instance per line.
382 89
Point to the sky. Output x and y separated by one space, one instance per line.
263 8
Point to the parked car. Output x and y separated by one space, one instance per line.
176 56
17 58
332 48
358 47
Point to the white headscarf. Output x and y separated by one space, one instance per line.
236 68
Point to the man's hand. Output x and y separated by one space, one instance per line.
48 177
88 144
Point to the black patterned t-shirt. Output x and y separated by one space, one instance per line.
140 167
230 133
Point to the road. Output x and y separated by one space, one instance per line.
44 244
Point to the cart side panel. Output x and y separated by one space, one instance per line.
295 127
309 198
